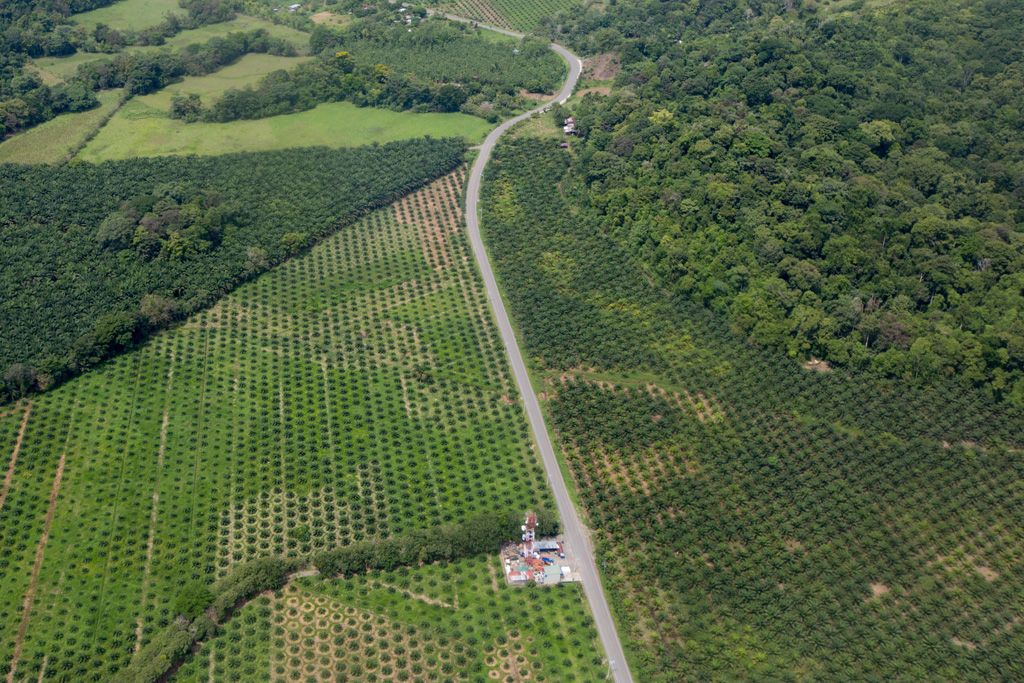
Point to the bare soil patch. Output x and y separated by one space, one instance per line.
988 573
329 18
817 365
602 67
963 643
878 590
539 96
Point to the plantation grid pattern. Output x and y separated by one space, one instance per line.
356 391
755 520
443 623
520 15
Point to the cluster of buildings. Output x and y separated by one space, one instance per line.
540 561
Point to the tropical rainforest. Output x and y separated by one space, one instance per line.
94 257
846 186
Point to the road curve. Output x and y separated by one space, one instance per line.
574 530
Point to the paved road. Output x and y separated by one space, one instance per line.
574 530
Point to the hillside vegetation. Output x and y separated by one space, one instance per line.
97 256
755 520
437 66
843 186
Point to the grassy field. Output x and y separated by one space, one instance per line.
354 392
51 142
129 14
66 67
240 23
63 68
140 130
449 622
249 69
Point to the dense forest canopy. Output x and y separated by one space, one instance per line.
847 186
94 257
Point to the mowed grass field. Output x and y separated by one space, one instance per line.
140 130
451 622
357 391
65 67
247 70
128 14
51 142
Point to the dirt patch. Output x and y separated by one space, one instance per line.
329 18
963 643
988 573
602 67
539 96
602 90
14 454
878 590
817 365
792 545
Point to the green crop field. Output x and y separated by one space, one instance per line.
355 392
139 130
66 67
521 15
455 622
51 142
247 70
129 14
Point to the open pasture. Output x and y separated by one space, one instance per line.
63 68
247 70
354 392
129 14
53 141
138 130
443 622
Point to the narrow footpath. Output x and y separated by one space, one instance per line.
575 532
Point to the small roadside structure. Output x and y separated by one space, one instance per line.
570 126
292 8
533 559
